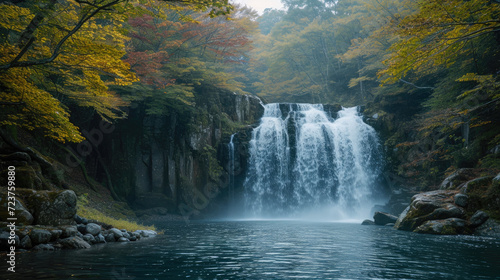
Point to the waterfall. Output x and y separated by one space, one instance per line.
303 161
231 169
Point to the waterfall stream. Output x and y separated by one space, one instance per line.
231 169
303 161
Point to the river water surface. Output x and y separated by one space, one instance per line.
272 250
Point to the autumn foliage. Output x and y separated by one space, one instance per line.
54 54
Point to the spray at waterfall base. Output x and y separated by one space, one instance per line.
306 164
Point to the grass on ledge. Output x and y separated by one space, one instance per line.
86 211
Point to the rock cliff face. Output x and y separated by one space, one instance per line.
174 162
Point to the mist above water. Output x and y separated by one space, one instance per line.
307 164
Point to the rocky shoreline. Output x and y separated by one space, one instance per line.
47 220
458 207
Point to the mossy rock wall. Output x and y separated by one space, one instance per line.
173 156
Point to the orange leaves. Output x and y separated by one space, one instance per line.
161 49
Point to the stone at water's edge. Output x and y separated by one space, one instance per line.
89 238
382 218
43 247
434 205
490 228
440 212
26 242
116 233
93 229
368 223
478 219
74 242
39 236
444 227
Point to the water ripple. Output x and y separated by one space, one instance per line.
274 250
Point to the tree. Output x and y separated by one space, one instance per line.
437 35
301 55
49 61
46 59
177 53
269 19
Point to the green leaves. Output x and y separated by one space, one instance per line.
436 35
57 53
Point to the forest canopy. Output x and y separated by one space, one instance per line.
57 53
429 68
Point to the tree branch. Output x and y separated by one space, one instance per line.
411 84
56 52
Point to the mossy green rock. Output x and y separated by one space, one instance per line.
457 178
50 207
449 226
434 205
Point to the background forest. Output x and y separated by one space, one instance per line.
427 72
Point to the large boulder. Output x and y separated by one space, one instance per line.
89 238
457 178
51 207
461 199
478 184
368 223
478 219
116 233
490 228
382 218
74 242
26 242
146 233
56 233
40 236
434 205
69 231
93 229
449 226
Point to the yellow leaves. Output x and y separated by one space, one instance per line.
7 52
356 81
473 77
74 58
436 35
85 65
38 109
14 18
487 86
480 123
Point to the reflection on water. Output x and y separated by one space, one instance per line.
273 250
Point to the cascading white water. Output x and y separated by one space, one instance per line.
304 161
231 168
